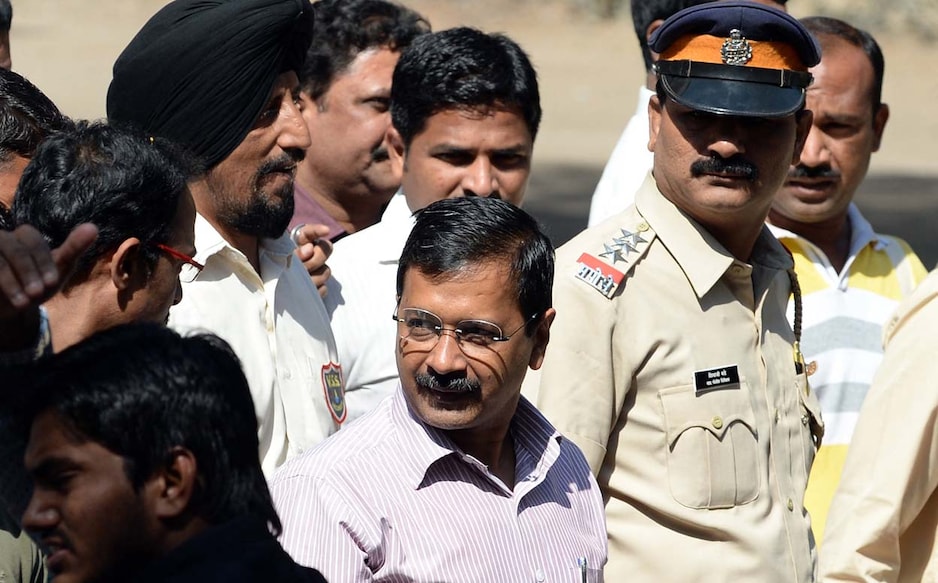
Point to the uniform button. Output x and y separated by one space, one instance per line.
717 422
804 420
778 416
539 576
791 505
287 374
642 227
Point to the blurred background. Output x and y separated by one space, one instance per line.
589 68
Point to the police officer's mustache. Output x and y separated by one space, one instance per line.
736 166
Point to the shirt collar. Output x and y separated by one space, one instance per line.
209 242
702 258
427 444
861 232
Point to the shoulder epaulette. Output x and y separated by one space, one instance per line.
605 269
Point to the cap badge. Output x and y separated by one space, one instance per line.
736 50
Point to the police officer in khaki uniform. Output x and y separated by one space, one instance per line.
672 364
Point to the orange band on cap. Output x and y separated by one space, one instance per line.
706 49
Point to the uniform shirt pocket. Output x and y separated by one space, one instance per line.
713 450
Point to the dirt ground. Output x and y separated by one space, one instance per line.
589 72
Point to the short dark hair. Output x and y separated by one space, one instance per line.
462 68
823 28
126 184
140 390
6 15
644 12
344 28
454 233
27 116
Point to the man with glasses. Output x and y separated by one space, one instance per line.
422 487
124 270
134 190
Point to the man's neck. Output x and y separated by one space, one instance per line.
831 236
76 316
353 213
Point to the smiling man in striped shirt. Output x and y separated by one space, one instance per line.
455 477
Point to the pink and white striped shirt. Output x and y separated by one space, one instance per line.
392 499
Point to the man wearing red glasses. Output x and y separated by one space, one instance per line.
127 269
134 190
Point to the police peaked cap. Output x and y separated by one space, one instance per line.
735 58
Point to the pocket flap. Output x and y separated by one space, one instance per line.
714 411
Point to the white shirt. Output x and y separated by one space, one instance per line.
361 300
278 327
627 166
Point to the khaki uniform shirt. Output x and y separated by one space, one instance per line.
883 522
681 389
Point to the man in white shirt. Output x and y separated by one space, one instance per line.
218 77
465 110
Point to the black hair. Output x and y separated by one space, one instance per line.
823 26
344 28
140 390
6 15
26 116
644 12
454 233
462 68
126 184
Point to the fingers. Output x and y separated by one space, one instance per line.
25 266
29 272
319 280
303 234
78 241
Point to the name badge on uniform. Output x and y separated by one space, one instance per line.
600 276
723 377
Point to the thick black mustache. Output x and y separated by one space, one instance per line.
286 162
802 171
736 166
431 382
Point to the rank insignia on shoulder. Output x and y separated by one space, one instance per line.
599 275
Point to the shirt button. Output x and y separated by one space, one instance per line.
804 420
539 576
717 422
642 227
791 505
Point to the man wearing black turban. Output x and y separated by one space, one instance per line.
217 77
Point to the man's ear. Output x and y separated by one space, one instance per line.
541 338
879 124
175 483
654 121
128 266
396 151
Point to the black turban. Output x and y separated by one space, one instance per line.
200 71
